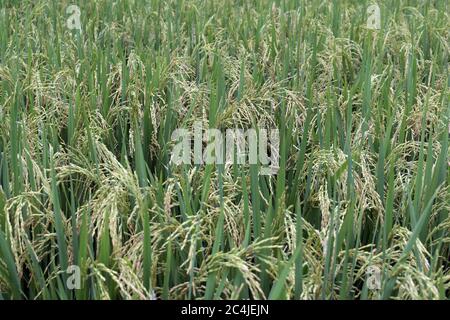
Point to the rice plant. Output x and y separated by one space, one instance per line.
92 207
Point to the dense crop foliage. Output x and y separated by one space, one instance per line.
359 208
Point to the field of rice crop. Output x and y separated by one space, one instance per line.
356 201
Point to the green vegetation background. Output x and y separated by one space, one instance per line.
85 140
